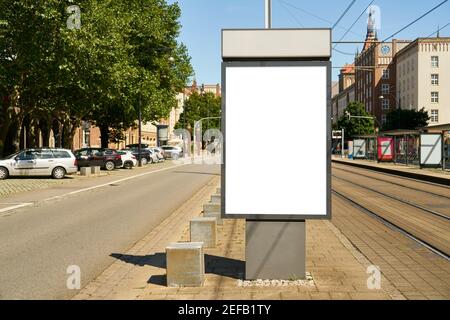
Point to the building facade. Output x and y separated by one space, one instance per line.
345 93
423 78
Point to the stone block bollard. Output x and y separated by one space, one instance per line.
215 198
95 170
216 215
211 207
204 230
85 171
185 263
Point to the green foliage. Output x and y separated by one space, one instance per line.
98 72
356 126
200 106
406 119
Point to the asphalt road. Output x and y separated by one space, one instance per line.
39 242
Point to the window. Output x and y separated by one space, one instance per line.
27 155
383 119
385 73
435 62
385 104
385 89
435 97
61 154
434 116
435 79
45 154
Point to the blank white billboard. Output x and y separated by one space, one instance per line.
430 149
277 140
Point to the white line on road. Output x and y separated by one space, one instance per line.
86 189
14 207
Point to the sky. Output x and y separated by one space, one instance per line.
202 21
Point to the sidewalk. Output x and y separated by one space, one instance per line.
432 175
337 268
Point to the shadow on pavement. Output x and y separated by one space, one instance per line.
220 266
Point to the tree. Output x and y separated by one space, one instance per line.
55 77
406 119
200 106
356 126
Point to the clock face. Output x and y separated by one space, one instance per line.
385 50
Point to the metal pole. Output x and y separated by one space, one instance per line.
343 143
140 132
268 14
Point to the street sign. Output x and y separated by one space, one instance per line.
337 134
258 97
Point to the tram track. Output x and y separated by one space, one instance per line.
399 184
392 225
399 199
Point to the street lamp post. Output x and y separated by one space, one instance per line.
140 131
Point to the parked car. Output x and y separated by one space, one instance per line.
172 152
128 159
147 155
107 159
56 163
159 153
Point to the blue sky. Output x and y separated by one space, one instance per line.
202 21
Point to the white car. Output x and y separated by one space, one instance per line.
159 153
39 162
128 159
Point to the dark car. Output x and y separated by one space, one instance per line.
107 159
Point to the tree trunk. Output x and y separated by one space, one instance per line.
45 129
56 127
104 132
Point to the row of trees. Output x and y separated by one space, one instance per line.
57 70
395 119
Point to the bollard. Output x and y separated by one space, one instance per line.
185 264
95 170
211 207
216 215
204 230
215 198
85 171
218 190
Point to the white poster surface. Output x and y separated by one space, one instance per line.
359 148
276 138
430 149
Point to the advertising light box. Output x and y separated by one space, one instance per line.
277 140
430 150
359 149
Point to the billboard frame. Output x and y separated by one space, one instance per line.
278 63
420 151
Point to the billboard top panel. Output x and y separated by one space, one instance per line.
276 43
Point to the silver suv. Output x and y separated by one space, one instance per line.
39 162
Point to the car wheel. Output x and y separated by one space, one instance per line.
175 156
3 173
128 165
58 173
144 161
109 165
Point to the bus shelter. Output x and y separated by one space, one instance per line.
406 146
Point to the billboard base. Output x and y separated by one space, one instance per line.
275 250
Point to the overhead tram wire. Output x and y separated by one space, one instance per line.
353 24
344 13
440 29
290 13
315 16
416 20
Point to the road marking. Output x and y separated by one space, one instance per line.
14 207
112 182
85 189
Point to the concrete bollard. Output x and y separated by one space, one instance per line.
218 190
185 264
216 215
211 207
95 170
85 171
204 230
215 198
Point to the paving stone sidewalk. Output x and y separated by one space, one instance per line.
337 267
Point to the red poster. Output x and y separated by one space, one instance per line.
385 149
